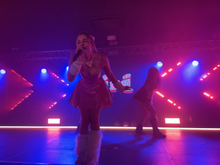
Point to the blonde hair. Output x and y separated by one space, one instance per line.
91 39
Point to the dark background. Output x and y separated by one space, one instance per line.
29 25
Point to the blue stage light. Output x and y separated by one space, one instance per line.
43 70
2 71
159 64
195 63
67 68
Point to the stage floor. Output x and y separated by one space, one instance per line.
119 147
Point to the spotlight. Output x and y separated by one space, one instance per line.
2 71
159 64
43 70
195 63
67 68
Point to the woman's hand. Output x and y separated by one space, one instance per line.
127 88
120 87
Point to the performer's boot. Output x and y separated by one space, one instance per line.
80 149
156 132
139 130
93 148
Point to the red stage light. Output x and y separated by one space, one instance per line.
27 94
205 76
159 94
208 95
64 95
169 100
171 69
164 74
52 105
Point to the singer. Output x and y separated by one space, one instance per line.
90 95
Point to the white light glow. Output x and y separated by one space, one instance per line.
2 71
195 63
160 64
43 70
53 121
172 120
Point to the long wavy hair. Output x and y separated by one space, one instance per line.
153 72
91 39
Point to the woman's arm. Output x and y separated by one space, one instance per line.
70 77
112 78
107 70
74 68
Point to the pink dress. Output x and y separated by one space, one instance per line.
91 92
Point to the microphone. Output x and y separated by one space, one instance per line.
79 52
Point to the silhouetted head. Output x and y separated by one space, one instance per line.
153 72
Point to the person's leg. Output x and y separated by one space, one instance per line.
94 119
82 137
78 126
85 120
139 128
153 121
94 139
144 115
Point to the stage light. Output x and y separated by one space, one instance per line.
169 100
195 63
43 70
208 74
67 68
159 94
159 64
164 74
172 120
52 105
208 95
170 70
2 71
53 121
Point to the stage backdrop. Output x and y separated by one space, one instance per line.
30 98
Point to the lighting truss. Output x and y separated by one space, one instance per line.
123 50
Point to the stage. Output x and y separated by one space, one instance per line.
55 146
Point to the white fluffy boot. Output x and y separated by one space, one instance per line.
93 148
81 143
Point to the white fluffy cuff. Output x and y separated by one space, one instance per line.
75 68
119 86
